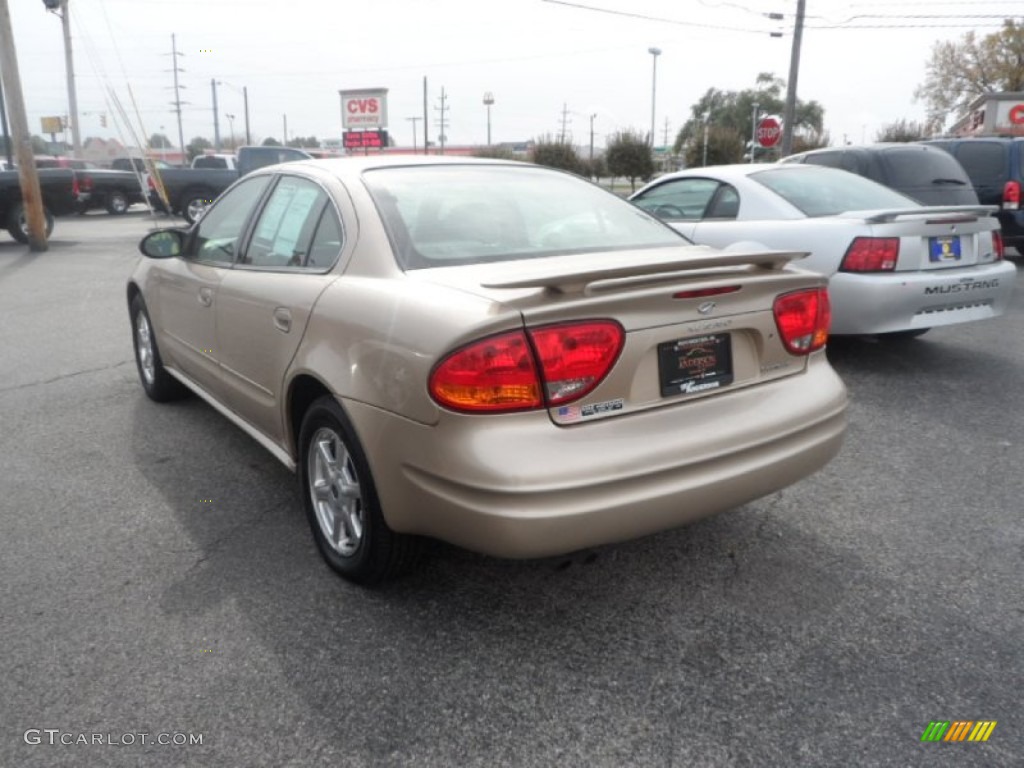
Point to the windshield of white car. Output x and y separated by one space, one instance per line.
819 191
469 214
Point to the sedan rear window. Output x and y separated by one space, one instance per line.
469 214
819 191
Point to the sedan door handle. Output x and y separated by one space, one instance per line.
282 319
205 297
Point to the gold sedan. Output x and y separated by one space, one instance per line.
496 354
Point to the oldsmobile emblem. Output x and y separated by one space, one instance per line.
706 308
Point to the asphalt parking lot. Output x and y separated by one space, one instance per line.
159 578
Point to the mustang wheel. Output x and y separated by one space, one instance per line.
117 203
156 381
341 500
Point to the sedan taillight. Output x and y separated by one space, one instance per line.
516 371
998 247
803 319
871 254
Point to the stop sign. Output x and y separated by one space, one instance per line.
768 132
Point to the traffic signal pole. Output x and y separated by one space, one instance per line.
31 195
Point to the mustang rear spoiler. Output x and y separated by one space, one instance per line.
578 273
942 212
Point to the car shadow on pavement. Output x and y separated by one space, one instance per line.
742 619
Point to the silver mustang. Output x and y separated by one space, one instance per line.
895 268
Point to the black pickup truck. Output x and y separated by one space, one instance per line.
113 190
190 190
59 190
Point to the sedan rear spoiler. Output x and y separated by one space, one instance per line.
571 274
940 212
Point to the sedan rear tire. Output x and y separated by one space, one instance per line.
341 501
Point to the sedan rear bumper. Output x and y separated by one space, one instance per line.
519 486
901 301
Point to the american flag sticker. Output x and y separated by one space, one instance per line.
569 413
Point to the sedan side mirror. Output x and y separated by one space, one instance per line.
163 244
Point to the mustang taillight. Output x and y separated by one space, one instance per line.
998 247
1011 196
803 318
871 254
516 371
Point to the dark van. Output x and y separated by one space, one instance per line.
995 166
924 173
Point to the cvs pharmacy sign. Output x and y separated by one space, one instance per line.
366 108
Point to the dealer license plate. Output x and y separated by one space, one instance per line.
695 365
944 248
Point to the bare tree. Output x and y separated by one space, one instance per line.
959 72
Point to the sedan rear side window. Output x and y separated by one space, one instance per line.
819 191
284 231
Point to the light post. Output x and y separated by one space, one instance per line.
60 7
488 101
655 53
592 118
231 130
707 119
244 90
414 120
753 131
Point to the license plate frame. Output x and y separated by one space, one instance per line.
938 252
695 364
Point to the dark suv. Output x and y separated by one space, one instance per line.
923 173
995 166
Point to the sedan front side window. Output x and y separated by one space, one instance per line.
216 236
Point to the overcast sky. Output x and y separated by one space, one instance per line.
861 59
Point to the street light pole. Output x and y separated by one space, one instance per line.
488 101
216 117
655 53
231 130
414 120
592 118
789 114
60 7
707 119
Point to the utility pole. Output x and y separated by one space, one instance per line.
177 95
488 101
442 120
245 103
565 122
426 120
3 120
31 196
665 142
753 131
592 117
216 117
285 142
789 115
414 120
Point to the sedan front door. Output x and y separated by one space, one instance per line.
187 287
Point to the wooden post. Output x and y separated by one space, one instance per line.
31 195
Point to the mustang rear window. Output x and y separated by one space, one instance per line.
820 191
470 214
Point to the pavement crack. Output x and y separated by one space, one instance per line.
63 376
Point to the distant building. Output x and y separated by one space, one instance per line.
993 114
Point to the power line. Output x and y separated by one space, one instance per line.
658 18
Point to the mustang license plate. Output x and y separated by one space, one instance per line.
694 365
944 248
